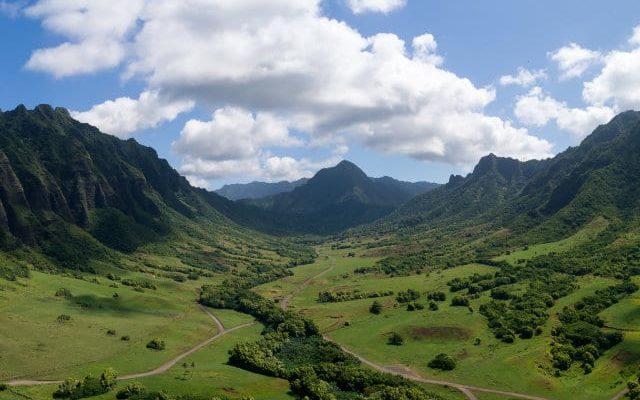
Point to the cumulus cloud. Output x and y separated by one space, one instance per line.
124 116
285 62
573 60
424 48
524 77
96 31
538 109
618 82
231 134
375 6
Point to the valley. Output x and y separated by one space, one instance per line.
120 279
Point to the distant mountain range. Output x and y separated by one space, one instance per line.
340 197
258 190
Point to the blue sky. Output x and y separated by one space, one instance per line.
292 113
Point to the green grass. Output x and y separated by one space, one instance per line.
521 367
210 376
561 246
36 345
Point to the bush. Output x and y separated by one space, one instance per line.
395 339
442 362
64 292
125 338
460 301
111 332
90 386
433 306
132 389
156 344
3 387
63 318
376 308
436 296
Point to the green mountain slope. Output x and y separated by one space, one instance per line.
74 194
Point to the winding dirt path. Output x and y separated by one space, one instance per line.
403 371
284 303
221 331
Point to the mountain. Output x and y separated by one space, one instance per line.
493 183
258 190
337 198
74 194
505 203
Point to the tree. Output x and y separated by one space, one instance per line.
132 389
376 308
108 378
443 362
395 339
156 344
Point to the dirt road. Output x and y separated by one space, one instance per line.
221 331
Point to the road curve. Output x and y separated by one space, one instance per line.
221 331
405 372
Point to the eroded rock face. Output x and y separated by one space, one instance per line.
53 168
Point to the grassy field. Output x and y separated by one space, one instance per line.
561 246
209 376
521 367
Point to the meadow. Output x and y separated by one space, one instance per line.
462 332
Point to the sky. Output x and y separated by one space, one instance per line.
242 90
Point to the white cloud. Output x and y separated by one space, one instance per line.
574 60
375 6
634 40
11 8
124 116
538 109
618 83
286 60
232 134
524 77
96 31
424 48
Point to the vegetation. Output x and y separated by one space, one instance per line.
88 387
156 344
443 362
376 308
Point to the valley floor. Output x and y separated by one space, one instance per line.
38 345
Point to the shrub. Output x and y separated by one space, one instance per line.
132 389
436 296
125 338
64 292
443 362
433 306
460 301
3 387
395 339
111 332
63 318
376 308
156 344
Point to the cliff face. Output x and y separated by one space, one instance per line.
55 170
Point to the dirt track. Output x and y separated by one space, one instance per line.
401 370
221 331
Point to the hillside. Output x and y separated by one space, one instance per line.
339 197
258 190
74 194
